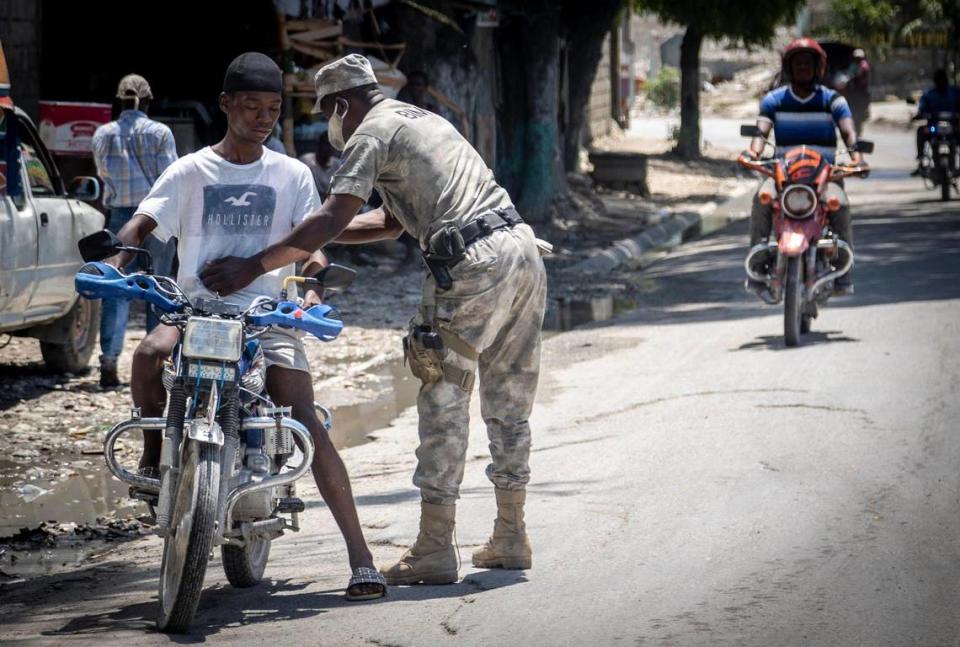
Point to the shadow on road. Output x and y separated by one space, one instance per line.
907 252
775 342
222 607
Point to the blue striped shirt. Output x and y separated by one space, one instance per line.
811 121
130 154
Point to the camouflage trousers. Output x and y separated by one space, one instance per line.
496 306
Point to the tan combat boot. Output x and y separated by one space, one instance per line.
509 546
432 559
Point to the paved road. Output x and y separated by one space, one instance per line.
695 482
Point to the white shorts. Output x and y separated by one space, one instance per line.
284 348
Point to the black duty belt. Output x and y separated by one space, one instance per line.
487 223
447 246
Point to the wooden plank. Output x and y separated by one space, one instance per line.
316 52
315 23
367 45
317 34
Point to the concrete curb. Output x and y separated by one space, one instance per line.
677 227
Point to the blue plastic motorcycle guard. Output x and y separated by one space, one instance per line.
100 280
288 314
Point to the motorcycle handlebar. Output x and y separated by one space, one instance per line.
759 165
861 170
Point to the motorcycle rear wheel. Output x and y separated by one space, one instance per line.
792 303
244 565
186 548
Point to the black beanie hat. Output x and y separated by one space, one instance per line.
253 72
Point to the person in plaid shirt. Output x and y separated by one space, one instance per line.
130 154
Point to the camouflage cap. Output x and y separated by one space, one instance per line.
351 71
134 86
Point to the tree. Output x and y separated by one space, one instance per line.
751 23
535 143
535 151
585 24
897 22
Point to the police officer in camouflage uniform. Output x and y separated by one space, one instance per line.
482 306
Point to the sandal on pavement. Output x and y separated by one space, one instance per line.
364 575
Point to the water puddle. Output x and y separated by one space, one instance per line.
396 391
77 492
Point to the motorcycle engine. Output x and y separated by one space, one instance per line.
258 505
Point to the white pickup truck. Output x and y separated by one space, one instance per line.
41 221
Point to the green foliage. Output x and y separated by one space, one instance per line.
664 89
748 21
885 23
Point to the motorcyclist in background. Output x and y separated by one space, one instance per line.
942 97
804 112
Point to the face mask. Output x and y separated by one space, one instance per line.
335 129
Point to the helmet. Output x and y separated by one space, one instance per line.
805 45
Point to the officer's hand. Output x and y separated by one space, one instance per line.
227 275
754 155
312 297
856 158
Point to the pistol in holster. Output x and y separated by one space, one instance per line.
445 248
425 351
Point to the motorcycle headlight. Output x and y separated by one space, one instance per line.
799 201
213 339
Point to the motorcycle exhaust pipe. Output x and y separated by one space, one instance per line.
756 257
109 450
846 253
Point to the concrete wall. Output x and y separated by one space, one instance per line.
20 37
599 109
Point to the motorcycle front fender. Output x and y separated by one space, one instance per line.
204 432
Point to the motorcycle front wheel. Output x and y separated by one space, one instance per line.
186 548
244 565
792 303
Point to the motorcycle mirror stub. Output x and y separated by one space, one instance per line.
99 245
864 146
750 130
335 277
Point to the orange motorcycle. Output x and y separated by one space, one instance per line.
806 256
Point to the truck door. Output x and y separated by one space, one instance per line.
18 229
58 256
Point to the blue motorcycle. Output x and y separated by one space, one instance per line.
224 479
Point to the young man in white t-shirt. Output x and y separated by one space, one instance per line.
236 198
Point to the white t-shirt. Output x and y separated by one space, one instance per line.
216 208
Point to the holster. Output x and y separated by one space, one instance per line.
445 248
424 349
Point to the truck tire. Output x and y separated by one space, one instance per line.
72 355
